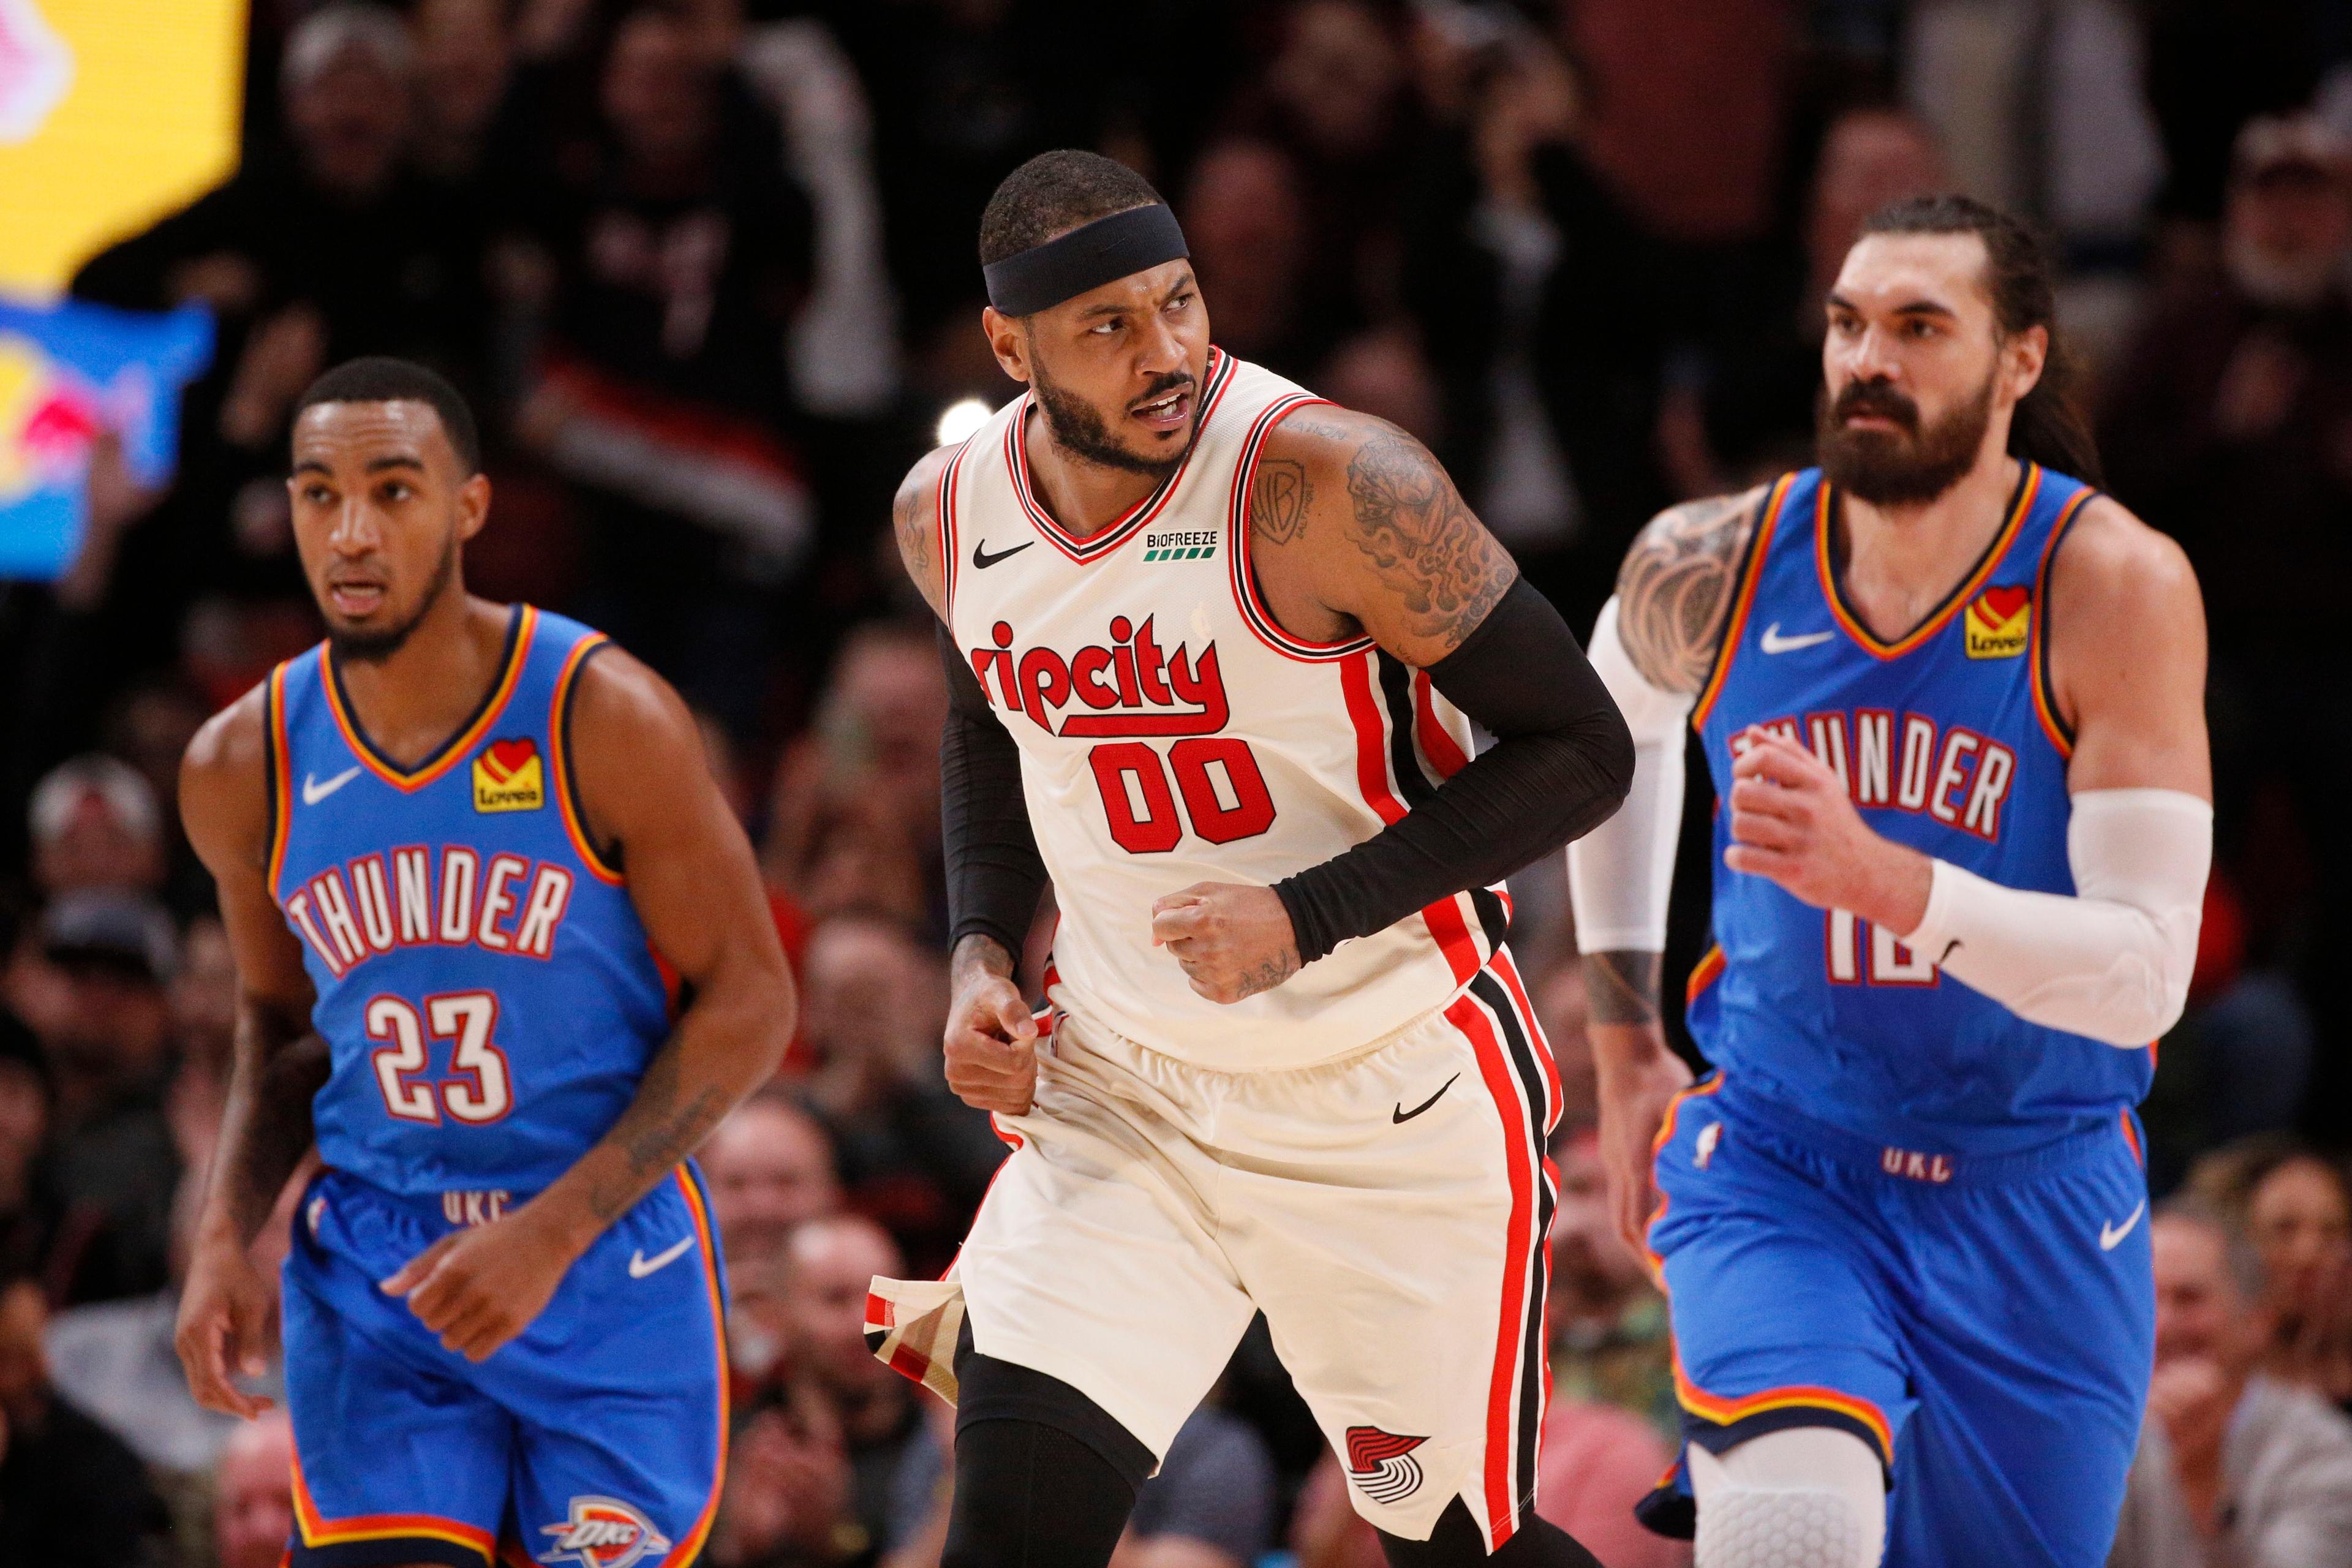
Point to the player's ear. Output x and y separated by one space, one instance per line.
2023 355
473 506
1008 341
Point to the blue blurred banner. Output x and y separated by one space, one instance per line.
68 372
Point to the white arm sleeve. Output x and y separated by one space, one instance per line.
1618 874
2111 962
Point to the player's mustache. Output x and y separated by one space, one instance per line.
1161 385
1875 397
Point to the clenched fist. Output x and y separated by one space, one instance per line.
1230 940
990 1044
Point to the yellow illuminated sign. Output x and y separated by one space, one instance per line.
112 113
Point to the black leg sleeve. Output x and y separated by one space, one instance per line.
1456 1543
1045 1477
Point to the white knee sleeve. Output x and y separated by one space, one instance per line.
1809 1497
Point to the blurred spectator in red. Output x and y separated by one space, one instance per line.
855 816
92 986
1687 120
1597 1461
96 828
1535 300
769 1169
71 1496
1244 219
1610 1342
912 1155
253 1497
680 252
2295 1205
2233 1466
1757 407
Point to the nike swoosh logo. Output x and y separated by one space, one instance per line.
1402 1115
1775 643
983 560
313 791
640 1265
2109 1234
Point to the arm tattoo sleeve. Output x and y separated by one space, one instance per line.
913 531
1621 987
1423 542
1674 593
655 1132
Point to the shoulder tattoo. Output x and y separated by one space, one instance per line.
913 529
1279 496
1422 541
1674 593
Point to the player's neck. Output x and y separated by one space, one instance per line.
412 700
1899 562
1085 497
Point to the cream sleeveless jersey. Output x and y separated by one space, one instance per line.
1171 734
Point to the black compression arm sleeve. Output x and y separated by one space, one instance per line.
1561 762
994 873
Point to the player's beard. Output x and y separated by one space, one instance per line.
1078 430
1909 468
376 644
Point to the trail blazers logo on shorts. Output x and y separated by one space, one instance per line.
507 777
602 1534
1998 621
1382 1464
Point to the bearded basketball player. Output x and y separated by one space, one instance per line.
1215 646
1952 700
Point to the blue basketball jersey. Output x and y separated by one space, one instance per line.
488 993
1949 742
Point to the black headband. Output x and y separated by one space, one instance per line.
1086 258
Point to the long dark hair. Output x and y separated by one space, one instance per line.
2047 427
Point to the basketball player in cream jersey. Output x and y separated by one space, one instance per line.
1215 646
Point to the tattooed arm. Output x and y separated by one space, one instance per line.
1655 646
1356 530
653 809
915 524
1673 598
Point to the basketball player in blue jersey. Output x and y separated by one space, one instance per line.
448 843
1952 702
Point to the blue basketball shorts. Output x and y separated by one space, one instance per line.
595 1438
1986 1325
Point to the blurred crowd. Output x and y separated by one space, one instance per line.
706 268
